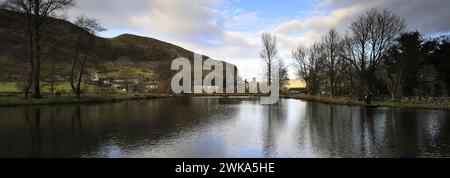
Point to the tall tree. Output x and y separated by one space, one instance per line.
402 64
309 65
368 42
269 54
332 47
83 45
38 13
441 60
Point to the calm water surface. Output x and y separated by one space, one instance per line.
221 127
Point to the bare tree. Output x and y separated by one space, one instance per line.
368 41
85 39
269 54
38 13
309 64
332 45
284 74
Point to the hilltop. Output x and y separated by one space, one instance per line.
124 56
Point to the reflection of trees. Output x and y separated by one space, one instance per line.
321 128
367 134
33 122
341 131
269 143
444 137
433 135
274 122
403 137
73 130
332 133
148 122
359 132
77 125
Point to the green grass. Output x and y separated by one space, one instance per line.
127 72
350 101
414 106
11 87
8 87
328 100
65 87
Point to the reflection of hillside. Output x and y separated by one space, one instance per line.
75 130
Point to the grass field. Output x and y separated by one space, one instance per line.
8 87
12 87
127 72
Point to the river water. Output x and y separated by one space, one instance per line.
206 127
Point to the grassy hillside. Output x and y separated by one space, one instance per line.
124 56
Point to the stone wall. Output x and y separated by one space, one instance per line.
426 100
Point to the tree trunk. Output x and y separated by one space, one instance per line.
74 64
30 74
80 79
332 86
36 81
37 51
269 75
29 84
52 79
352 85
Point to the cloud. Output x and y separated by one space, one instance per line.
189 20
241 20
427 16
223 30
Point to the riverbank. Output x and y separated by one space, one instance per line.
354 102
10 101
16 100
19 101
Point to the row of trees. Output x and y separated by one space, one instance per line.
39 15
375 55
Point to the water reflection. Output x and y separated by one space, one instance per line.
221 127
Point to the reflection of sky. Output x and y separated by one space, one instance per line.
433 125
294 129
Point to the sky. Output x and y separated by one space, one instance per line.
230 30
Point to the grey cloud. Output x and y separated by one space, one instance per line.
427 16
114 13
193 24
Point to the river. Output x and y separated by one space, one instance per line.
235 127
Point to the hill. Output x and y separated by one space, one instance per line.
124 56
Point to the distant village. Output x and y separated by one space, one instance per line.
137 84
119 85
127 85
